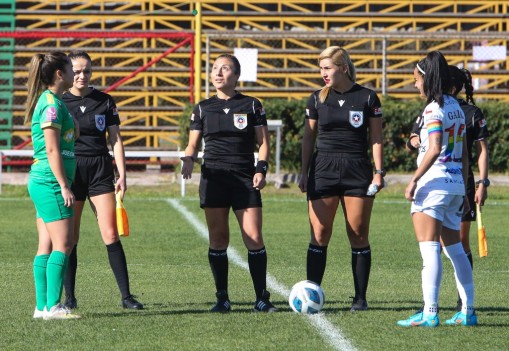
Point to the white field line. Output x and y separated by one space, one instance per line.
332 334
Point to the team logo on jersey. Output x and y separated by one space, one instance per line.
307 112
100 122
482 123
83 108
192 117
356 118
69 135
51 114
240 120
377 111
226 110
341 102
114 111
262 111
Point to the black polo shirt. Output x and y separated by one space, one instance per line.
95 112
228 128
343 119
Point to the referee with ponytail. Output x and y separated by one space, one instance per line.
345 119
231 124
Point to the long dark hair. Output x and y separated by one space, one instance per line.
41 74
79 54
437 79
461 78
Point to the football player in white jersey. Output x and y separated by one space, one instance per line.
437 192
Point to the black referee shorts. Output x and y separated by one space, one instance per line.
470 216
338 174
223 186
94 176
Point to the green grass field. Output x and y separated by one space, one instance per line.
167 257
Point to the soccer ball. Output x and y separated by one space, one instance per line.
306 297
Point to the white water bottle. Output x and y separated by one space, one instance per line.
372 189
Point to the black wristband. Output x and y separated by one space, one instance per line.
261 167
183 158
409 145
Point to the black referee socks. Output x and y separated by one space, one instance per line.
118 264
361 266
218 260
316 261
257 261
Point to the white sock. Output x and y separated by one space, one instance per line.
431 275
463 275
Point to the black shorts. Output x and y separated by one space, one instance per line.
333 174
94 176
470 216
222 187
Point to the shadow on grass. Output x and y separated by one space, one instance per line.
167 309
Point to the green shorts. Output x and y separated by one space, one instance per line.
48 200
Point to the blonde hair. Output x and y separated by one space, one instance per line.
41 74
339 57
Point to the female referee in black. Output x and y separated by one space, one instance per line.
231 124
97 113
346 117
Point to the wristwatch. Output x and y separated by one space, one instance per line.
485 182
381 172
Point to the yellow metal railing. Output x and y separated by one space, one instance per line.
385 39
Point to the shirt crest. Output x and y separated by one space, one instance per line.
356 118
240 120
100 122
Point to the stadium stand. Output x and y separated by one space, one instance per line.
385 39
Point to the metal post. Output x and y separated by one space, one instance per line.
278 150
384 65
197 53
207 67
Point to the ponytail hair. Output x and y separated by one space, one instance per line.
339 57
35 85
469 88
437 79
461 78
41 74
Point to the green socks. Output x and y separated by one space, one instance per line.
40 264
55 273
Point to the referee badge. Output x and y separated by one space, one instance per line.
240 120
100 122
356 118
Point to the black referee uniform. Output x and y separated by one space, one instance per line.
95 176
95 113
340 165
476 129
229 131
228 128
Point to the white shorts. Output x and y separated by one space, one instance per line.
446 208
